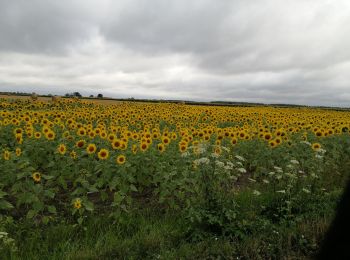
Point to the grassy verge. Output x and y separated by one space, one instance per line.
149 233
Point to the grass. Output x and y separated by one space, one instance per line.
148 233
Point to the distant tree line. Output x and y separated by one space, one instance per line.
78 95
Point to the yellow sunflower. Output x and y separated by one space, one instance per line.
50 135
161 147
36 176
7 155
316 146
103 154
62 149
120 159
91 148
80 144
77 203
18 151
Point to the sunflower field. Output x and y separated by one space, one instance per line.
227 171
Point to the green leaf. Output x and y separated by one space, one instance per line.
80 220
5 204
22 165
49 194
118 198
132 187
88 205
2 194
52 209
38 206
45 220
78 191
48 177
51 164
104 195
21 175
31 213
62 182
93 189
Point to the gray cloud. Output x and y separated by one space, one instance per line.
265 51
43 26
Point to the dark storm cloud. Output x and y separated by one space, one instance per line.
265 51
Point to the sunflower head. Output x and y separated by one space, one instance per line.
120 159
183 148
73 155
116 144
143 146
268 136
278 140
134 148
272 143
234 141
36 176
7 155
165 140
316 146
80 144
18 151
161 147
37 135
50 135
103 154
217 150
77 203
62 149
91 148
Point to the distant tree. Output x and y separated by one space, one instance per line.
77 94
100 96
91 96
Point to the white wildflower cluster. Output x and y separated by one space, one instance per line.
296 162
320 153
271 173
225 148
318 156
185 154
278 169
242 170
239 164
229 166
220 164
240 158
256 193
200 161
306 142
215 155
306 190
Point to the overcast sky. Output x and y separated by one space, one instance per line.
271 51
